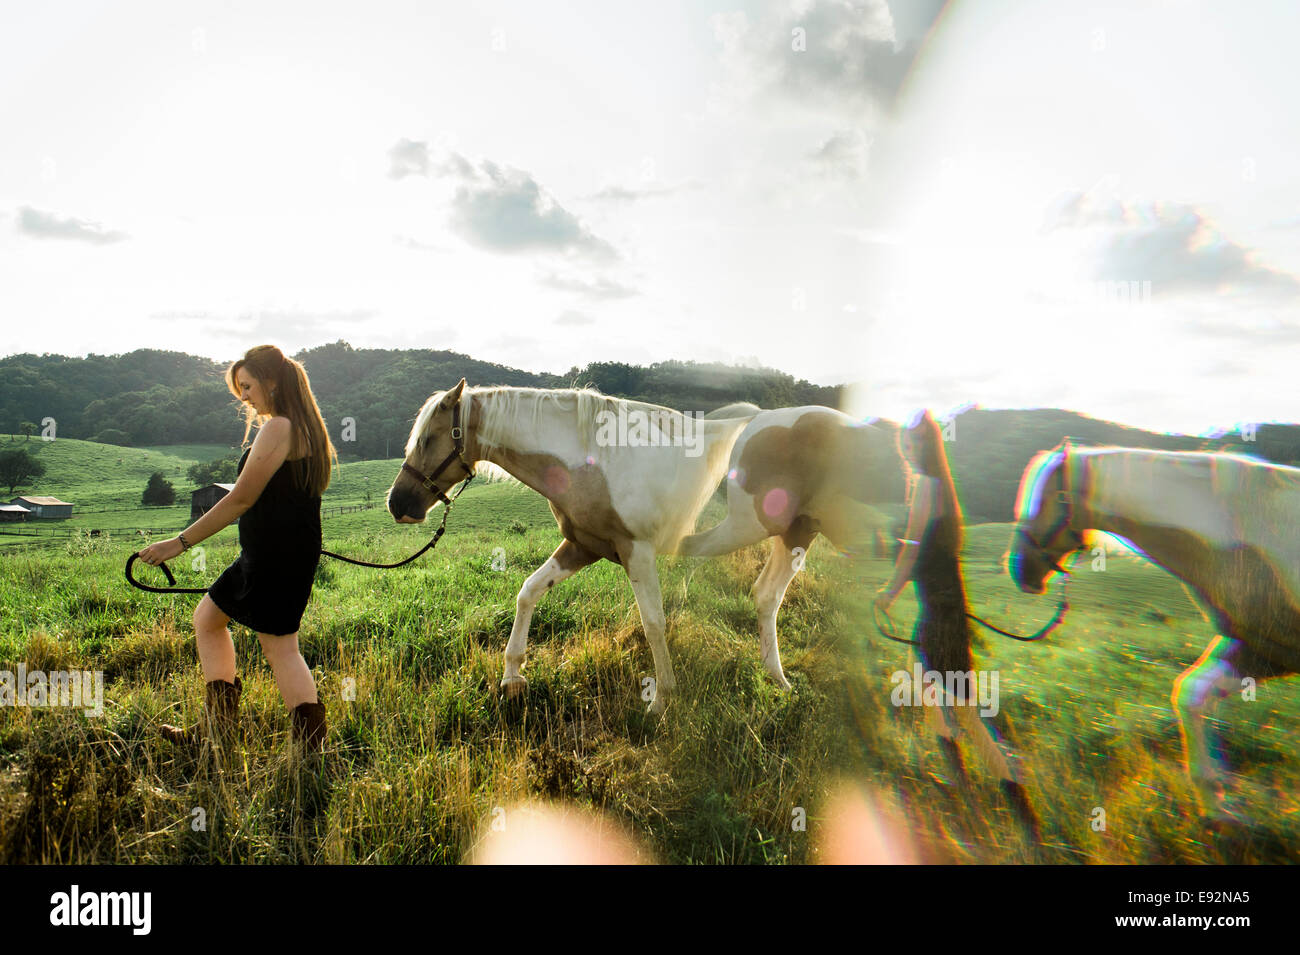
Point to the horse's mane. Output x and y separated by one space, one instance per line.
1040 467
484 470
505 407
1251 475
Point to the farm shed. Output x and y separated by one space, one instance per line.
13 512
45 508
205 498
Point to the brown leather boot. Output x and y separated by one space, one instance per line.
956 768
1024 809
220 708
309 726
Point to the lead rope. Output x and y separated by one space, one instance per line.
1062 607
171 579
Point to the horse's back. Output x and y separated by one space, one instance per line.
1225 524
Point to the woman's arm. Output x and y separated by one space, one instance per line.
917 519
222 514
269 450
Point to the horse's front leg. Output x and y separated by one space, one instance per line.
639 562
564 562
1196 691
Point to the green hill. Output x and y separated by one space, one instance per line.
149 397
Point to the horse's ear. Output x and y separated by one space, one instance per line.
453 394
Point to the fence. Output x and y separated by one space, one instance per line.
84 531
53 535
346 509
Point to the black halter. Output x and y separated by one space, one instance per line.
458 452
1065 522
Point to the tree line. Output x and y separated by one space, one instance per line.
152 397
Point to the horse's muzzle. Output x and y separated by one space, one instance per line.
1019 573
405 509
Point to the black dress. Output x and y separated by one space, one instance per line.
268 586
942 629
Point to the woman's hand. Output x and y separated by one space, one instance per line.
155 554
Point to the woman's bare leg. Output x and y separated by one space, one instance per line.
212 639
291 674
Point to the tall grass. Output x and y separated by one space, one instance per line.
422 749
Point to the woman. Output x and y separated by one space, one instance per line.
276 500
930 557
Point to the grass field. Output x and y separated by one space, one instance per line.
97 476
105 483
424 751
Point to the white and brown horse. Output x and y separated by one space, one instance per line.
1223 524
795 473
624 479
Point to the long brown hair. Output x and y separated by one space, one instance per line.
284 381
932 460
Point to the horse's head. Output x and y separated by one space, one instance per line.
435 457
1046 507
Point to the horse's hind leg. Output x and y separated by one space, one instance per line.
739 529
786 560
564 562
639 561
1196 691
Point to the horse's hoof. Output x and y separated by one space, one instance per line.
782 683
513 687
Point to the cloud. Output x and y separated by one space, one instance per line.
600 289
408 158
502 209
1244 328
1224 367
417 244
843 156
185 315
847 56
633 194
272 324
290 322
46 225
869 236
572 317
498 208
1172 245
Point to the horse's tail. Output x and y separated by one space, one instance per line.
720 436
741 412
738 414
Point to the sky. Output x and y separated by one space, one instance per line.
1091 205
